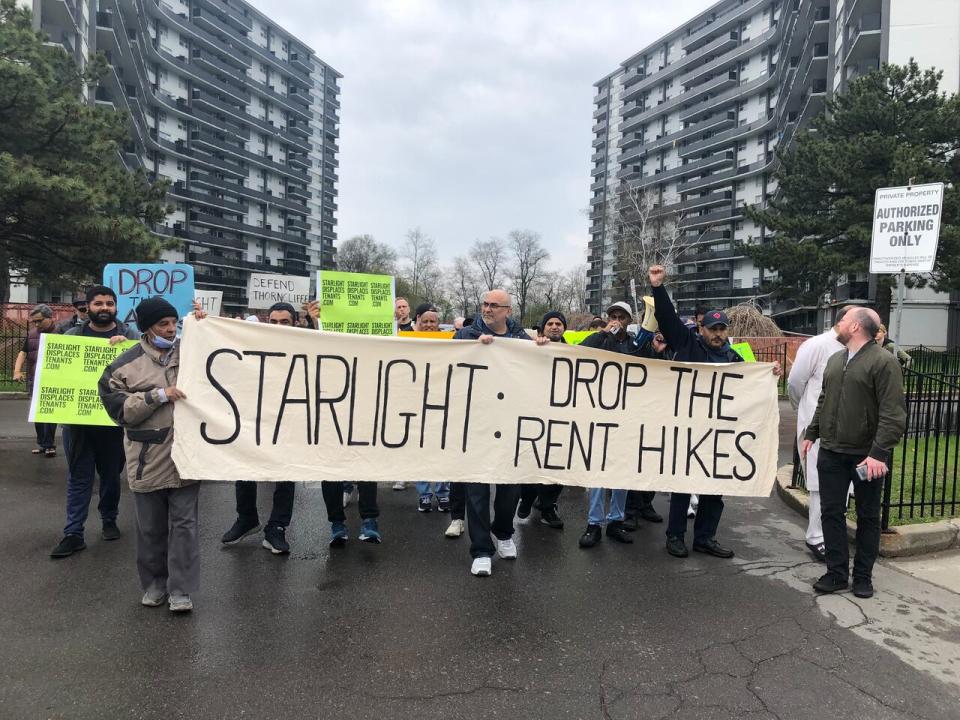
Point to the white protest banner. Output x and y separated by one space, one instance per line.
211 301
906 228
271 403
265 289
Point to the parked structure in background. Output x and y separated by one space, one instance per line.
694 120
239 114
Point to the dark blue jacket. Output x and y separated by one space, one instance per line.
686 346
473 332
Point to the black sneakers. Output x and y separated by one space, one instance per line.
551 517
616 531
68 546
712 547
591 536
110 531
523 509
819 551
862 587
241 528
831 583
425 504
275 540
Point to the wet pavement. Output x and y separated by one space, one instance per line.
402 630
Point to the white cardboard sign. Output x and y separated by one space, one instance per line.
906 228
211 301
265 289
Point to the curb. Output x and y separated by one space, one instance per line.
14 396
899 541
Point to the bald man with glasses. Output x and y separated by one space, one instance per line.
494 322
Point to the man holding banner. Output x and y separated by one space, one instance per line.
709 346
248 521
545 497
494 322
139 390
94 450
427 319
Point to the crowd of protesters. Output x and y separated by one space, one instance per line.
139 390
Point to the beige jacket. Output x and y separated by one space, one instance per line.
131 391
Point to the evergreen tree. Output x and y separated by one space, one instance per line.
68 205
891 125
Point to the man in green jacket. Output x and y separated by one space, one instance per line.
861 416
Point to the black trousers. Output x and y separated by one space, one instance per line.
478 516
548 495
637 500
282 509
708 516
333 499
46 435
837 471
458 501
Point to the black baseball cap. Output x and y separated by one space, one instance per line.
715 317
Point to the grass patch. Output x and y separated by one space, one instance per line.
924 471
7 386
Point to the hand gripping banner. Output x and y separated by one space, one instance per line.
273 403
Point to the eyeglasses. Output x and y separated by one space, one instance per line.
494 306
82 308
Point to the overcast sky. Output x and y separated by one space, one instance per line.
470 119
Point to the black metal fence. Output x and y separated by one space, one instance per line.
775 353
924 478
926 359
11 343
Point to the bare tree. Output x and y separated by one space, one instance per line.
645 234
421 269
528 259
490 257
463 285
576 288
363 254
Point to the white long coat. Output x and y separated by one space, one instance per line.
804 385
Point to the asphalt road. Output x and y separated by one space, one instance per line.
402 630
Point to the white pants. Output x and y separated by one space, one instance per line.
814 525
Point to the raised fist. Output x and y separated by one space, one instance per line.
657 275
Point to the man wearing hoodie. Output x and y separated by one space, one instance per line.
545 497
710 345
494 322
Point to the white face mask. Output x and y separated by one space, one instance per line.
161 342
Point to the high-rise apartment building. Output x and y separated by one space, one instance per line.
693 120
239 114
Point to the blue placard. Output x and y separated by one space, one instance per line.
136 282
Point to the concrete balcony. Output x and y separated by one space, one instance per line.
723 62
864 39
722 23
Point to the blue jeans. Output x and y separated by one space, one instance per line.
92 451
441 490
618 499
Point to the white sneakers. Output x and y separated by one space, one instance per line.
153 598
507 549
482 566
180 603
455 529
399 486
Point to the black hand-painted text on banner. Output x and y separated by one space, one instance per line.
273 403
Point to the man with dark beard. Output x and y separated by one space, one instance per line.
91 449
